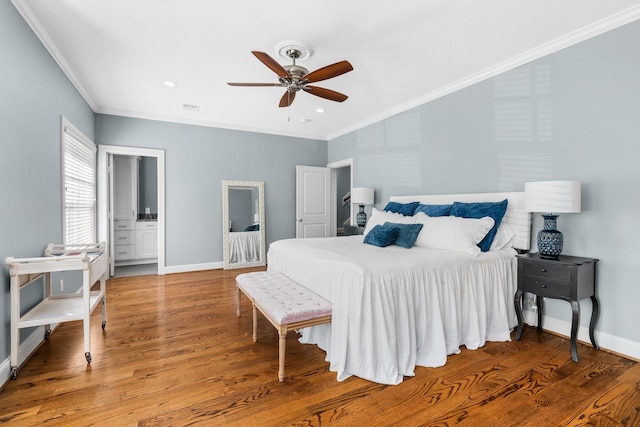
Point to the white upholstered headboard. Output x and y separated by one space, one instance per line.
517 217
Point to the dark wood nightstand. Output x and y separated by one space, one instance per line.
569 278
352 230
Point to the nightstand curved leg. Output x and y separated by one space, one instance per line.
539 303
595 312
517 302
575 308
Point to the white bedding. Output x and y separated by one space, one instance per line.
244 246
395 308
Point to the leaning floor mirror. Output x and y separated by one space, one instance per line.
243 232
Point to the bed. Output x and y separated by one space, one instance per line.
396 308
244 246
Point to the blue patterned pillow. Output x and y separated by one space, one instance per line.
495 210
434 210
382 236
408 233
406 209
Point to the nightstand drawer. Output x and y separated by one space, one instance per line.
547 288
547 270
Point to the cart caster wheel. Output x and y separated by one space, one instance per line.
47 334
14 372
87 356
104 324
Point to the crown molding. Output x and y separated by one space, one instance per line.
607 24
36 25
208 123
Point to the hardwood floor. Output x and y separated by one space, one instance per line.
174 353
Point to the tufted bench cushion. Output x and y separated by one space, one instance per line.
285 300
286 304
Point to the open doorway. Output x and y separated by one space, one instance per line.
122 220
341 183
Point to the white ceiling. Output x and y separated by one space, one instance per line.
118 53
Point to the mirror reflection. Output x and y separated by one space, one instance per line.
243 224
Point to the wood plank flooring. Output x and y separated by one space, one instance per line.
175 354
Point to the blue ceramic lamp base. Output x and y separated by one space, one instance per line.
361 217
550 240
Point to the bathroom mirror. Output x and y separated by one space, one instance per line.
243 233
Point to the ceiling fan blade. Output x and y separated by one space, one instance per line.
287 98
328 72
254 84
326 93
271 63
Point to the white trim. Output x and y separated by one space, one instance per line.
26 348
607 24
208 123
193 267
606 341
103 195
36 25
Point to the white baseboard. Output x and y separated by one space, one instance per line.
604 340
193 267
27 347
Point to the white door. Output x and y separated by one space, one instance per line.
312 202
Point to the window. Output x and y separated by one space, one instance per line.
79 186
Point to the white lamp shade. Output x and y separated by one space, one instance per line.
362 196
553 196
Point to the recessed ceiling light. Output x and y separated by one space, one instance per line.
319 110
169 83
305 120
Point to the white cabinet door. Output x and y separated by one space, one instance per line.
125 187
146 240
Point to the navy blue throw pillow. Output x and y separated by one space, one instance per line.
434 210
408 233
495 210
406 209
382 236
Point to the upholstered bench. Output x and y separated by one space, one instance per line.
286 304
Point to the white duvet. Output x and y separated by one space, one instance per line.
395 308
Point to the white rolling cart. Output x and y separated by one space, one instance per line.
91 259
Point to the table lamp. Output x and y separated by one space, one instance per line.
361 196
552 197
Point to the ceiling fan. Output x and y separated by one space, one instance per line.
295 77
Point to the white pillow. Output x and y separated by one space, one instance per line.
380 217
503 238
452 232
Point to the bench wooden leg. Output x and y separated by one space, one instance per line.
282 344
255 322
238 301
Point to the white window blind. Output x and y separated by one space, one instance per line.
79 186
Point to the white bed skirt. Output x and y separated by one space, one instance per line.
395 308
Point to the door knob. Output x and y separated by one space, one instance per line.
299 219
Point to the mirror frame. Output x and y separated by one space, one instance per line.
226 185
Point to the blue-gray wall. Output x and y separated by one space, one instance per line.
197 160
574 114
34 94
571 115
